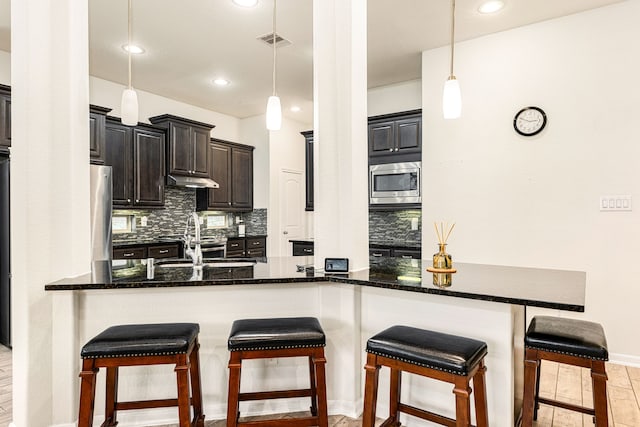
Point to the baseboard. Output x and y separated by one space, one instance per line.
625 359
60 425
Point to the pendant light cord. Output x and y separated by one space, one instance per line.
129 41
453 26
274 47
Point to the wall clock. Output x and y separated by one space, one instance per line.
530 121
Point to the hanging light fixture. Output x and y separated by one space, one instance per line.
129 104
274 112
451 97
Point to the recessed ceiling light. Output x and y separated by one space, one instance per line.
295 109
491 6
245 3
221 82
132 48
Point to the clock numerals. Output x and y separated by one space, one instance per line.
530 121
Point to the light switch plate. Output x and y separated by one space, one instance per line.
616 203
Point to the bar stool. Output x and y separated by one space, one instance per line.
271 338
572 342
443 357
138 345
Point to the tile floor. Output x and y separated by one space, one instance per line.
558 381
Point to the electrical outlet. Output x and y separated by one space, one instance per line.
615 203
143 221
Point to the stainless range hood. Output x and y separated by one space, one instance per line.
191 181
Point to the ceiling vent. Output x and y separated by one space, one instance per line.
280 41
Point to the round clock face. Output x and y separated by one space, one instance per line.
529 121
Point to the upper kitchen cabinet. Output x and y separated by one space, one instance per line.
231 166
308 168
5 117
187 145
136 155
395 137
97 123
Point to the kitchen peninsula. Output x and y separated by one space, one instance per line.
484 301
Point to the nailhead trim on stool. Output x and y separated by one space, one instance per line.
450 358
273 338
138 345
572 342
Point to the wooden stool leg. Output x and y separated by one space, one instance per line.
537 398
480 396
313 387
196 388
184 404
599 384
235 365
394 397
531 363
463 404
110 414
319 363
370 391
87 393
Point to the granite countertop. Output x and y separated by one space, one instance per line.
556 289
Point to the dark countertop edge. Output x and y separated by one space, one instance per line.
247 236
334 279
301 240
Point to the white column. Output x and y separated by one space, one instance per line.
49 194
340 125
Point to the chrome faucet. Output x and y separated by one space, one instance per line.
194 253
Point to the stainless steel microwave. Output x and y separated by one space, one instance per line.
392 183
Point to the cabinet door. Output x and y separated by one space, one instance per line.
409 135
133 252
118 154
241 179
308 168
96 138
220 198
407 253
379 252
148 156
181 153
200 139
381 138
5 120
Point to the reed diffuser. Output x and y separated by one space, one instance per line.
441 259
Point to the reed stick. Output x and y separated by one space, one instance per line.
440 233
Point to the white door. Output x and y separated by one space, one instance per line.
291 209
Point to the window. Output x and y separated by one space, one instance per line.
122 224
216 221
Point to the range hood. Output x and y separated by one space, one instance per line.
191 182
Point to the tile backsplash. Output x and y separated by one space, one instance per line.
394 227
171 220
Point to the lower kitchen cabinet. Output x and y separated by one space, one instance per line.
302 248
380 251
136 155
246 247
152 250
231 166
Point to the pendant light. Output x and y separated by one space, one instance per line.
129 104
451 97
274 112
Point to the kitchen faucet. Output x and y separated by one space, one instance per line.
196 253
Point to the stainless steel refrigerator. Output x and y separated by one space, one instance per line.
5 254
101 204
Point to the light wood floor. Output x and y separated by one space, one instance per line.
558 381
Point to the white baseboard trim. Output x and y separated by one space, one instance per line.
64 425
625 359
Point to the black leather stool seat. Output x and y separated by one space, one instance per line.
567 336
435 350
142 340
275 333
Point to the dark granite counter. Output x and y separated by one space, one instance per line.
556 289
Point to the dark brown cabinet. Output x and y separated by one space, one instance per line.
136 155
246 247
231 166
153 250
395 135
187 145
308 168
302 248
5 117
380 251
97 123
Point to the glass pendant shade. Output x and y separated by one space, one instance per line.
129 107
451 99
274 113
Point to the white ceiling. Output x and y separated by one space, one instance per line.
190 42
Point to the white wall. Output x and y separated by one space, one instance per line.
5 68
535 201
402 96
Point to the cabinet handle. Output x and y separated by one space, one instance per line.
390 149
307 250
137 201
129 254
407 257
377 254
163 251
397 149
256 243
229 203
235 245
128 200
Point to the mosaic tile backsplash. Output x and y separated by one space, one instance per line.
394 227
179 203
